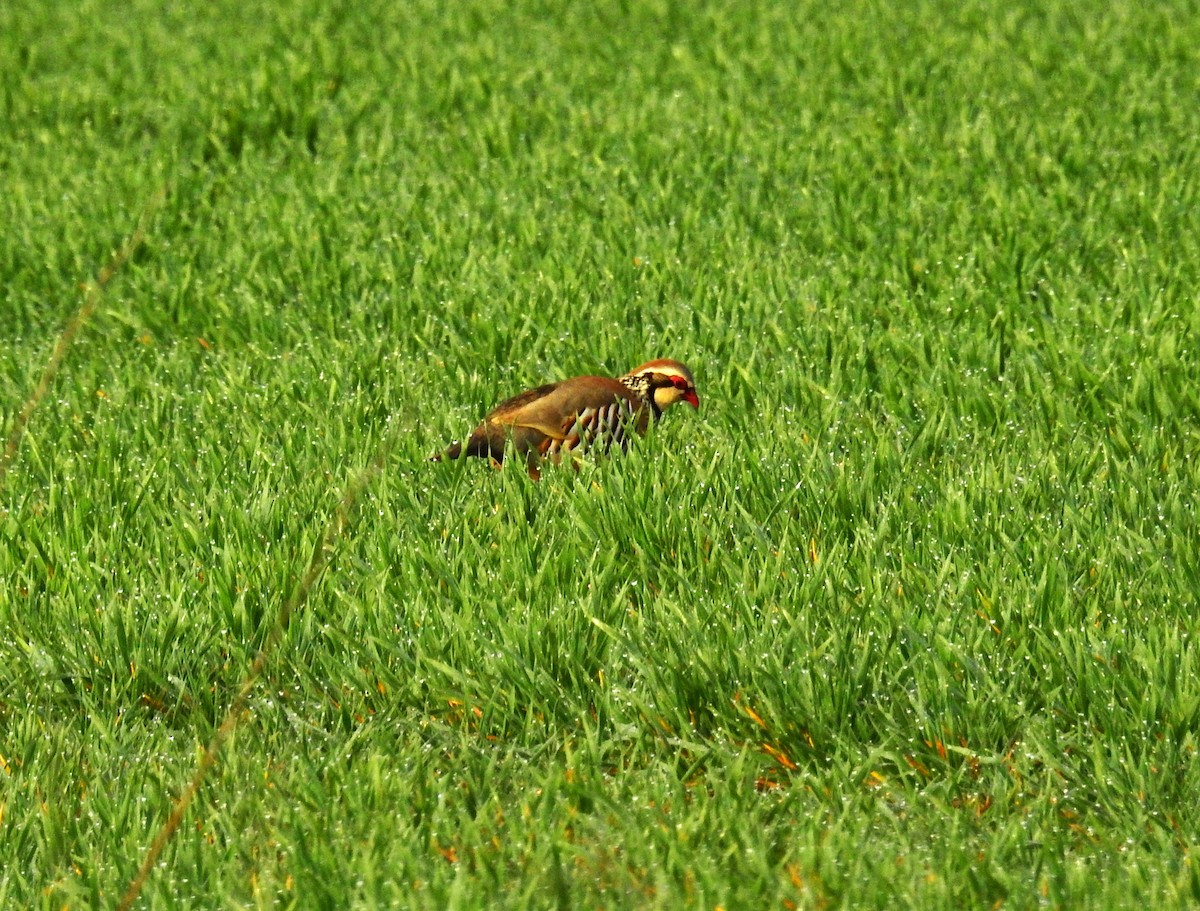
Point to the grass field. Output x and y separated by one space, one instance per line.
905 616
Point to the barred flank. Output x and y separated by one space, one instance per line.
604 426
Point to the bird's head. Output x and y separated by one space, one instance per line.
663 383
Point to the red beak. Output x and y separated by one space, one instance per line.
692 399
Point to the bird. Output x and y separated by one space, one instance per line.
579 414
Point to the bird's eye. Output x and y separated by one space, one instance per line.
679 382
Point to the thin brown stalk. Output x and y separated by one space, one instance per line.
320 559
93 291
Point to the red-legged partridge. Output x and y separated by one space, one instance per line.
579 414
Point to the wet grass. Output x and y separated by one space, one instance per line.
905 616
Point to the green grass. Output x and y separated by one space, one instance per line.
904 617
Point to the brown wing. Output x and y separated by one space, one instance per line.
554 412
541 417
517 402
488 439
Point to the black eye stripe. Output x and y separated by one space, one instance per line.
663 380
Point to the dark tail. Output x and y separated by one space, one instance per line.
453 451
483 444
